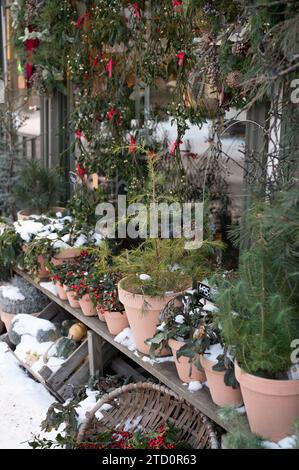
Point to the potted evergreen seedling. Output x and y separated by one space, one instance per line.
151 283
262 332
39 188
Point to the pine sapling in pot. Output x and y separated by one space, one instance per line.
45 189
259 318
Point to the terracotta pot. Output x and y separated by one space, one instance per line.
100 314
43 272
272 406
183 365
143 315
116 322
87 306
71 297
222 394
61 291
26 213
66 254
7 318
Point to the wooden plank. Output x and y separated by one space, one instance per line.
165 372
80 377
124 369
66 370
95 353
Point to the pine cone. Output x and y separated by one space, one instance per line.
240 48
213 73
234 79
36 81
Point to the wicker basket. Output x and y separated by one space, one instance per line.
157 405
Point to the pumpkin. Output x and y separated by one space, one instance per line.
77 332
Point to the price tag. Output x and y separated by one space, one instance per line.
204 290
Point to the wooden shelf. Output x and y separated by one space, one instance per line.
165 372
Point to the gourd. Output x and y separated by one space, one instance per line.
64 347
77 332
66 325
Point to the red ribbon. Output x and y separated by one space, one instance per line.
81 171
181 58
176 144
115 112
30 46
79 134
137 9
132 147
109 68
81 19
176 4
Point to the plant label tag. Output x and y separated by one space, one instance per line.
204 290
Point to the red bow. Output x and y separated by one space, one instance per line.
109 68
81 19
176 144
81 171
132 147
114 112
137 9
181 58
79 134
176 4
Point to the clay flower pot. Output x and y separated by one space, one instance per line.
116 322
66 254
101 314
61 291
222 394
143 315
26 213
87 306
43 272
7 318
272 406
183 365
71 297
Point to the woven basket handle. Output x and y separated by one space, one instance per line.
116 393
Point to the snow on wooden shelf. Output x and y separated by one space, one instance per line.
165 372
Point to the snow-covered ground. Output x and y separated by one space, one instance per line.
23 403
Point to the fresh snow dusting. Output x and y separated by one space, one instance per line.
105 407
27 228
12 293
213 352
37 355
288 442
24 324
132 424
50 286
157 360
180 319
23 403
209 307
162 326
81 240
125 338
194 386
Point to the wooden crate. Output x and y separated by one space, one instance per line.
90 356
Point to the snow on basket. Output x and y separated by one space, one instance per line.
140 400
